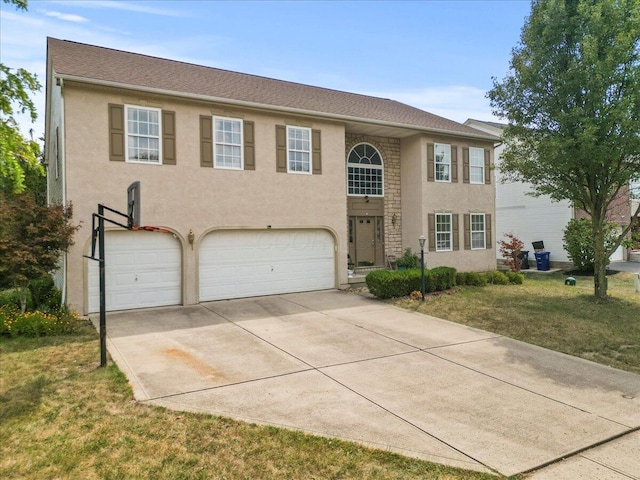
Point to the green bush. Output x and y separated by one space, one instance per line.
496 277
408 260
35 324
515 278
392 284
461 278
45 295
12 297
578 242
476 279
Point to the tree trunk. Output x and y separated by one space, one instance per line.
23 293
600 259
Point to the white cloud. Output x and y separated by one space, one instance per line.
68 17
456 102
127 6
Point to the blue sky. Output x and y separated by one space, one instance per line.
439 56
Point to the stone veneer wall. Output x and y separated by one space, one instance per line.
389 148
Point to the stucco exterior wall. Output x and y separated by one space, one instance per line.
421 197
189 197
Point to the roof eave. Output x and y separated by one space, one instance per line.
264 106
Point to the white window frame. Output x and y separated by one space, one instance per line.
224 144
442 232
476 163
363 167
446 161
476 231
309 152
129 134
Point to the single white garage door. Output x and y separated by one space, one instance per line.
250 263
143 269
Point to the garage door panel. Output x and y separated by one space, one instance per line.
143 270
236 264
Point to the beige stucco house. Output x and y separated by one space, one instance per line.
267 186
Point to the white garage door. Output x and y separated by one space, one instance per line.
143 269
236 264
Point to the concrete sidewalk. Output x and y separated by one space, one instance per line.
340 365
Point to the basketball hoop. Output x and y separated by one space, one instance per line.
150 228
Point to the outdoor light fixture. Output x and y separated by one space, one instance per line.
422 240
191 238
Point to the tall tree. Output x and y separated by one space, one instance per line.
572 99
19 156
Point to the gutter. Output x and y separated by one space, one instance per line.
262 106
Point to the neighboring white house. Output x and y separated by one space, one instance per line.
529 218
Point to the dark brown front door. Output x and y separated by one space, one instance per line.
366 244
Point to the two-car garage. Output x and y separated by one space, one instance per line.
145 269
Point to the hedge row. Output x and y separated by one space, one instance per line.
400 283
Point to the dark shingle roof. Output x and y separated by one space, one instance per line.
93 63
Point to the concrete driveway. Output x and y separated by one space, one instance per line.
341 365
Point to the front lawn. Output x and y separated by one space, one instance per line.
62 417
545 312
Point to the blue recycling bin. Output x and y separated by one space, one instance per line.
542 260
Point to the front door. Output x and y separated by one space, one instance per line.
366 241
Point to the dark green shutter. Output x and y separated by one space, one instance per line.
206 141
116 133
454 164
465 165
487 166
317 152
281 148
168 138
456 232
467 231
432 232
487 229
249 146
431 168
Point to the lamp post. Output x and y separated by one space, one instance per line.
422 240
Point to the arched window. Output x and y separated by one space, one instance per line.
365 171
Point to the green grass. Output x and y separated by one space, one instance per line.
63 417
545 312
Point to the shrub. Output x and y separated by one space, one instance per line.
515 278
578 242
12 297
461 278
408 260
476 279
44 294
35 324
392 284
496 277
510 250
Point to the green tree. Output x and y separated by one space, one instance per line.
19 156
32 238
572 99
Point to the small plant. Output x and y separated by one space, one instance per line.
416 295
496 277
408 260
515 278
35 324
510 250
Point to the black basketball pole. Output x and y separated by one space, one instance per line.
103 282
